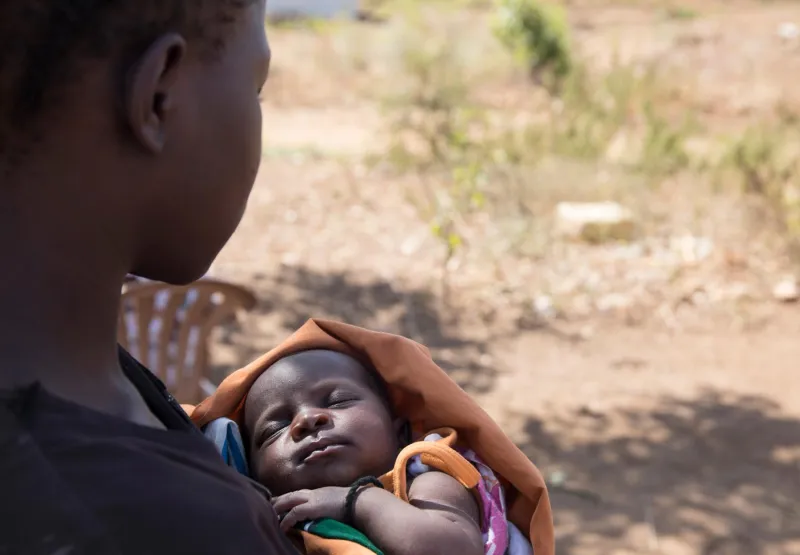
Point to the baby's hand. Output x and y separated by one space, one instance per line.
310 504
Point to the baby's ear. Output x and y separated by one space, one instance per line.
402 429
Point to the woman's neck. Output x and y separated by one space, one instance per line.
59 302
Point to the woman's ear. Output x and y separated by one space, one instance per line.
151 90
402 429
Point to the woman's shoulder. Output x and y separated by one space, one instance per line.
68 474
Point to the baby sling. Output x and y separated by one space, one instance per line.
425 395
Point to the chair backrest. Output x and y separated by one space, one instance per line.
167 328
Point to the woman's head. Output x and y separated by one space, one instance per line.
139 119
319 418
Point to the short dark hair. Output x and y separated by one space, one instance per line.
42 43
377 384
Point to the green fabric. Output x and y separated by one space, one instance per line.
335 530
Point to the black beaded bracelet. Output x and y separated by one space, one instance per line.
355 491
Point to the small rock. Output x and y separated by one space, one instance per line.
290 259
595 222
788 31
453 265
632 251
691 249
411 245
612 302
544 307
787 290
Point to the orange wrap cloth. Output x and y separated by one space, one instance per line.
421 392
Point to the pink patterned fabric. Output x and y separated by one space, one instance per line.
495 522
497 531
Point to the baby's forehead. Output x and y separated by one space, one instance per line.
303 370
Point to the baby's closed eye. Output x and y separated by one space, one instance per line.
271 430
341 399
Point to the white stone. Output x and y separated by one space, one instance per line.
691 249
290 259
412 245
595 222
613 301
543 306
788 31
786 290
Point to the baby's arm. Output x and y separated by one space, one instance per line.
442 518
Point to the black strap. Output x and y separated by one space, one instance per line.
352 496
165 406
160 402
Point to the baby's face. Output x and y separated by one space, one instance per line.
314 419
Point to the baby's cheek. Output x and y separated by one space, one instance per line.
266 468
384 453
273 466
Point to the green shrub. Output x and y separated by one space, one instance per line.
765 159
537 33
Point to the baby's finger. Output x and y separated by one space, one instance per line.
289 501
300 513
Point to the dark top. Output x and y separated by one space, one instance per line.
74 481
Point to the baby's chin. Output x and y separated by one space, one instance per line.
331 476
339 472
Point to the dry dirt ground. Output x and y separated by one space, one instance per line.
663 430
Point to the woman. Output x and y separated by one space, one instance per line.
129 143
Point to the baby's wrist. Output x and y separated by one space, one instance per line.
364 505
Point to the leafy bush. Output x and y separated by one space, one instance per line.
537 33
765 160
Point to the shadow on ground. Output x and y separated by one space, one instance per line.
294 294
721 471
